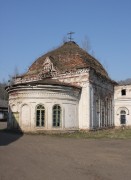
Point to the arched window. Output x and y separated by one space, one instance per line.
56 115
40 116
123 117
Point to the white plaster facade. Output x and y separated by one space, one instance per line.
86 107
23 104
122 105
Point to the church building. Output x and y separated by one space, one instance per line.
65 89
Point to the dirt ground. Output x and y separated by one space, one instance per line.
39 157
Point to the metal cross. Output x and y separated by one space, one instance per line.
70 35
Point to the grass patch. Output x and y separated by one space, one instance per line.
99 134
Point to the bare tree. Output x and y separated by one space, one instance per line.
3 92
13 76
125 82
86 44
65 39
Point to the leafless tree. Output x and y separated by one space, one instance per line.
125 82
3 93
65 39
86 44
13 76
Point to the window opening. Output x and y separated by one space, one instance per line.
56 116
123 117
40 116
123 92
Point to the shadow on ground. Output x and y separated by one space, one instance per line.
7 137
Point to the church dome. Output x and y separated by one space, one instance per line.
68 57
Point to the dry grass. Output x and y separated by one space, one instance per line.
99 134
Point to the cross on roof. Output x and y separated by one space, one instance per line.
70 35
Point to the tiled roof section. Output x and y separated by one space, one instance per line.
67 57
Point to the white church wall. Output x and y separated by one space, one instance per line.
70 119
122 102
80 78
84 107
101 104
25 120
25 102
88 108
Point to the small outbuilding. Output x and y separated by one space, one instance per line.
3 110
122 105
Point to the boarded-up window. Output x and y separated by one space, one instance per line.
25 116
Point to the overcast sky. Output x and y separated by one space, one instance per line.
30 28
